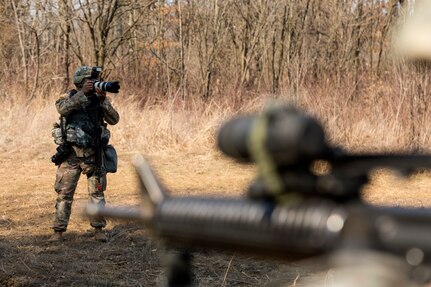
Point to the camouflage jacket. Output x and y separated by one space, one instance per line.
68 105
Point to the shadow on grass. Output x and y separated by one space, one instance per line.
129 258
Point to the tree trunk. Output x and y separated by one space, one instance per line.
21 36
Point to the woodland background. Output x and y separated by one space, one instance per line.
193 63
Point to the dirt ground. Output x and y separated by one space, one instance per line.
131 257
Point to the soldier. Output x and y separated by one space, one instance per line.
83 113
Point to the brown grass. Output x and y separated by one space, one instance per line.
178 138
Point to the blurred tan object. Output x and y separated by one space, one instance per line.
413 40
362 269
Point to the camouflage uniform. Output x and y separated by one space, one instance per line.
81 113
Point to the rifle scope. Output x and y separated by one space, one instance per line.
283 135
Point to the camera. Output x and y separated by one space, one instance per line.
112 87
63 151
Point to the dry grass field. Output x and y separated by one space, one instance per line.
179 143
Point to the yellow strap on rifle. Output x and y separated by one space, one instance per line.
266 166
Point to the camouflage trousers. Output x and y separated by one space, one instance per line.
67 176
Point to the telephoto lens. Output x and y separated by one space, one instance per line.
112 87
284 134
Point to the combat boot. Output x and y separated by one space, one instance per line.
56 237
99 235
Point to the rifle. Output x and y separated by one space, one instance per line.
96 134
304 202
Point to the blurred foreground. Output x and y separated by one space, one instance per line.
131 258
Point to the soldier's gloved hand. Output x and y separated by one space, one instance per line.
88 87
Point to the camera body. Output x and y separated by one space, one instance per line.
93 74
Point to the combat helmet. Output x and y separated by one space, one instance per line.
85 72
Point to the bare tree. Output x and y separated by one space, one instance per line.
206 48
22 36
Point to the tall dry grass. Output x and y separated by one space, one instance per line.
150 126
377 116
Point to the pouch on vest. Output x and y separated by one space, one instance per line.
110 161
56 134
76 135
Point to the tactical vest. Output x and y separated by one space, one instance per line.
83 125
